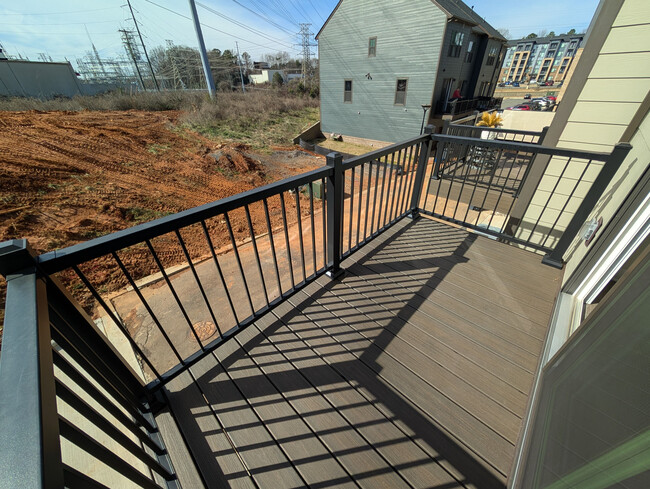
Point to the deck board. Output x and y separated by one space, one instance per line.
413 370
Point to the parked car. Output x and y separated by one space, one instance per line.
552 99
543 103
515 84
520 107
527 96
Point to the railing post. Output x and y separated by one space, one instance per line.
334 215
597 189
418 183
542 136
29 424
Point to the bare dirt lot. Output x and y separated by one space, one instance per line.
67 177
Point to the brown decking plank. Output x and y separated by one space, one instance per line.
287 426
369 316
397 449
266 462
211 449
384 284
474 277
501 252
403 413
491 447
534 320
491 279
182 461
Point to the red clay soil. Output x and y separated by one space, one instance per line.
67 177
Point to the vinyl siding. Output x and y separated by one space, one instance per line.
616 86
409 36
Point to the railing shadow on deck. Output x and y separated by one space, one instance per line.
434 441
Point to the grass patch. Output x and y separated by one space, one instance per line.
140 214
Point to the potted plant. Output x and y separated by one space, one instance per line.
490 119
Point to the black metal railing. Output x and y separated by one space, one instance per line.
462 106
478 184
496 133
170 291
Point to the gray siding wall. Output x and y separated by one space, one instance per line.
33 79
409 36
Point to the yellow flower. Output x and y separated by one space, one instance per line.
490 119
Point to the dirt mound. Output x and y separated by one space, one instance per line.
67 177
234 160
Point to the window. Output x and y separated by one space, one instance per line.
456 44
347 91
400 91
469 55
492 56
565 62
372 47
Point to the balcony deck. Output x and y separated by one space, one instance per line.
413 370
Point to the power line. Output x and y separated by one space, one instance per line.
144 48
61 13
208 26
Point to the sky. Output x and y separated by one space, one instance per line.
63 29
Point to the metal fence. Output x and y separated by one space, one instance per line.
66 382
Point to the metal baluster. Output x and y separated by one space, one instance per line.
382 197
324 212
397 171
365 225
351 211
117 321
302 244
198 280
363 166
174 294
313 231
272 244
257 254
221 277
374 199
286 239
239 264
146 306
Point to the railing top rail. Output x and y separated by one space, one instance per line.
380 153
496 129
526 147
58 260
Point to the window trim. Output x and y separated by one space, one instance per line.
345 92
405 91
373 54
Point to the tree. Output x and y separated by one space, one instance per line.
504 32
551 34
248 64
571 32
532 35
542 33
277 79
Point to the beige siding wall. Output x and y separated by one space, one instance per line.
616 86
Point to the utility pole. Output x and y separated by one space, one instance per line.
241 74
144 48
204 55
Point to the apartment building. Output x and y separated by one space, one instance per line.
540 59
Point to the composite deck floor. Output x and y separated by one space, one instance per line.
413 370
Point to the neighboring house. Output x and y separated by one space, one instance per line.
258 77
540 59
380 62
582 423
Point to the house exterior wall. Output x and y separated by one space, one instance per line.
35 79
405 49
614 90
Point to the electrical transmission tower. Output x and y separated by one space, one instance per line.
132 51
306 52
178 79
